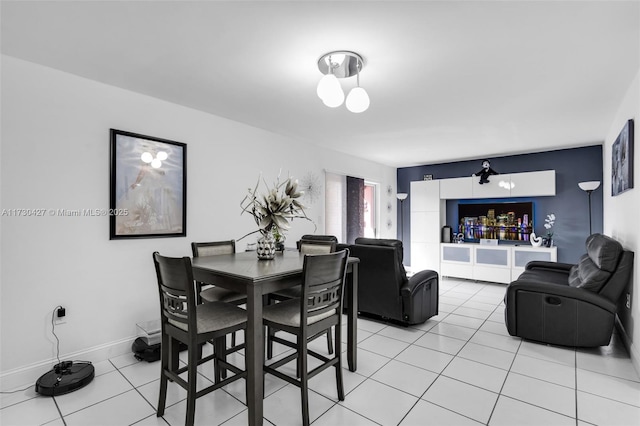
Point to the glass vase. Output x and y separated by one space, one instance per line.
266 249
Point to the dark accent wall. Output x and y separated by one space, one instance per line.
570 204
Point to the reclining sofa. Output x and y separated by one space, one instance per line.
570 305
384 290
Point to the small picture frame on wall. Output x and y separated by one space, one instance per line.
427 177
148 187
622 161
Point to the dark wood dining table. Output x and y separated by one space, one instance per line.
244 273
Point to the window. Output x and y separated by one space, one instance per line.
350 207
370 209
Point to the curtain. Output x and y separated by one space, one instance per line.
344 207
355 209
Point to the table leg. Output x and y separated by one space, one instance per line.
352 319
254 355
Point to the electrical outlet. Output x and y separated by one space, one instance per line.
628 304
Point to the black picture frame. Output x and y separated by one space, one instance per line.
147 198
622 161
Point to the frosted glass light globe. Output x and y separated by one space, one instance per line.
156 163
329 86
334 99
162 155
358 100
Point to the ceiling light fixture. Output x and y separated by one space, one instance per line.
341 64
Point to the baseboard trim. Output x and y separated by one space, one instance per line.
21 377
634 353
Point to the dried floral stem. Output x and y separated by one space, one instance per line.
274 210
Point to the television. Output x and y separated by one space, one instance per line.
506 221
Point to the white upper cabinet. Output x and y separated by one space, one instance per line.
528 184
497 187
533 184
456 188
425 196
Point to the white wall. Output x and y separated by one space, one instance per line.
55 155
621 211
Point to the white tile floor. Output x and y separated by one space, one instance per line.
459 368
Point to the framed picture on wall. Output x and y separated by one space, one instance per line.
148 187
622 160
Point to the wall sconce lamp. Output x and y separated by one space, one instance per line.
589 187
341 64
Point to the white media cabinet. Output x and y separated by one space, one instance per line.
428 216
495 263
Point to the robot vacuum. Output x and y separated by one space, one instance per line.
65 377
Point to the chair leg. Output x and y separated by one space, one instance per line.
268 300
329 341
270 334
192 374
164 365
199 350
174 354
220 348
304 379
338 366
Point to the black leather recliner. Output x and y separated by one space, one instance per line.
383 287
570 305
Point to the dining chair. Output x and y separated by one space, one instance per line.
318 309
305 246
185 322
212 293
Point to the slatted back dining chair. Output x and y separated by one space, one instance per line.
185 321
305 246
319 309
212 293
314 237
316 246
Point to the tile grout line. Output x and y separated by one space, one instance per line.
440 374
434 380
59 411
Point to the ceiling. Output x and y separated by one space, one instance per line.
448 80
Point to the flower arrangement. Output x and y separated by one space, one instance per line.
548 224
274 210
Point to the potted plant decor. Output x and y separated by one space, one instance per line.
273 212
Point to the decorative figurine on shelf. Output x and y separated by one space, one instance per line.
535 240
485 172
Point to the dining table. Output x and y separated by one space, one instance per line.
243 272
